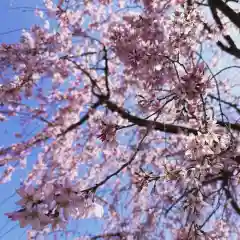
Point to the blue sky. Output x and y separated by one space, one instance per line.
14 19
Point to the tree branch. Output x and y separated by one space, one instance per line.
121 235
226 10
168 128
94 188
225 102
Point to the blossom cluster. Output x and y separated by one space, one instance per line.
53 204
126 73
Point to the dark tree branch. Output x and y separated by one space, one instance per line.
233 203
212 213
179 199
208 181
94 188
233 16
82 120
229 196
234 106
120 235
213 9
168 128
226 10
230 50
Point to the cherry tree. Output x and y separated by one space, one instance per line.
124 101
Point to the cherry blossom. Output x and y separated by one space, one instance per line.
132 124
53 204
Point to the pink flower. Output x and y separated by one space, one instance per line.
108 133
34 218
29 195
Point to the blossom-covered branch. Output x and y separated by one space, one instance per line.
136 127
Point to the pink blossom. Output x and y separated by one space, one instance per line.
122 119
